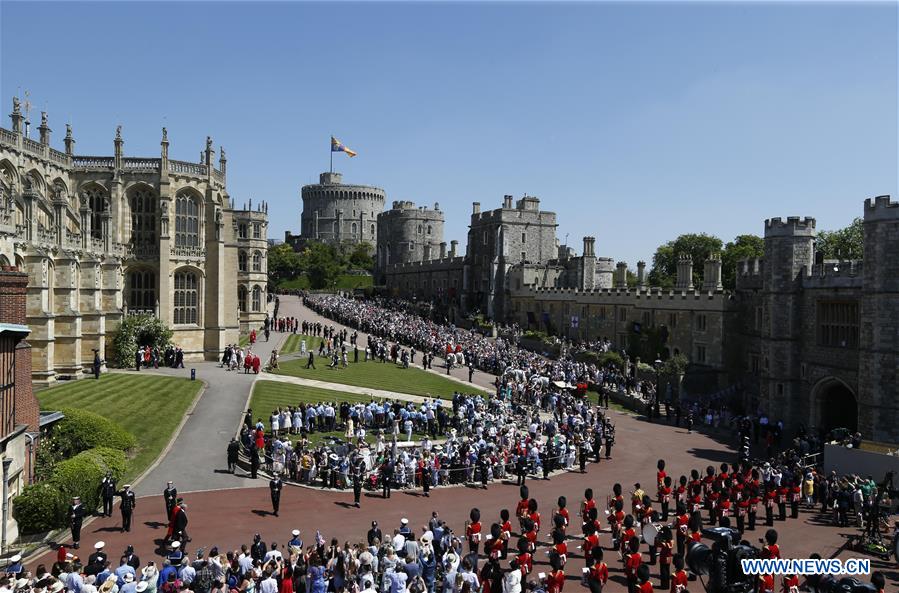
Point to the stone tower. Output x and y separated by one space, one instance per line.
335 212
789 254
879 328
408 233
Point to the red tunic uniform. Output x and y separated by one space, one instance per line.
772 551
600 572
765 584
535 517
791 584
521 510
555 581
585 508
473 532
590 542
525 563
679 582
645 587
564 514
631 563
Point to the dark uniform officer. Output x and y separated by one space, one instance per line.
107 493
387 477
233 451
76 517
275 485
98 558
358 469
132 559
127 506
521 469
170 494
254 461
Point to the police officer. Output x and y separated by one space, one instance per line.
275 485
76 517
127 506
170 494
107 493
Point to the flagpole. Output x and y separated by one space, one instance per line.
331 152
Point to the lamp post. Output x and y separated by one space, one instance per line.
7 461
658 367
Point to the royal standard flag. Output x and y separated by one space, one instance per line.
338 146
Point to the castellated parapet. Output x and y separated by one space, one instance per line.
335 212
792 227
409 233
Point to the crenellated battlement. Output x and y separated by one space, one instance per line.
437 264
633 294
881 208
793 226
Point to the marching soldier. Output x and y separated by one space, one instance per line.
127 506
170 494
275 485
76 518
107 493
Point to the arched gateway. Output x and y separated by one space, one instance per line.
836 405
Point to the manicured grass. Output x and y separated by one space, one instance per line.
269 395
148 406
344 282
377 375
293 342
244 341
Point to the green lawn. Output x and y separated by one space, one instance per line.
244 341
375 375
344 282
127 399
269 395
293 341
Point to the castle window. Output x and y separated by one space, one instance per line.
354 229
242 298
257 231
411 246
647 318
672 320
96 197
143 217
372 230
142 290
257 299
701 323
187 222
838 324
524 255
257 261
524 237
242 231
242 261
700 353
622 314
419 229
430 230
187 301
755 363
758 318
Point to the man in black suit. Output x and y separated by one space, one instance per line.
275 485
170 494
127 506
107 493
76 518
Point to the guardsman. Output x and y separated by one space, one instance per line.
521 509
665 497
666 551
505 531
107 493
275 485
127 506
170 495
680 578
683 522
587 504
76 518
561 517
473 532
770 549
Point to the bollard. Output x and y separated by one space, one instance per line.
193 374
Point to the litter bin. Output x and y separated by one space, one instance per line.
193 374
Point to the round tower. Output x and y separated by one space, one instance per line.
409 233
878 356
335 212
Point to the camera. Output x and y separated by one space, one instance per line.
721 562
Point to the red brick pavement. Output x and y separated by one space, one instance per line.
227 518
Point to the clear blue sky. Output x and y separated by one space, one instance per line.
634 122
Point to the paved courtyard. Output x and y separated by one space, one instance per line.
226 510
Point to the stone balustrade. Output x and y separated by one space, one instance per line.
59 157
188 252
187 168
93 162
141 164
7 136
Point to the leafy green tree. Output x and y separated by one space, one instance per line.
137 330
359 256
283 263
664 263
742 247
322 264
845 243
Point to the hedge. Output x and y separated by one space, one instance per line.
40 508
81 430
81 475
134 331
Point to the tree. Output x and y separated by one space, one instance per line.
845 243
321 263
742 247
699 246
283 263
358 256
137 331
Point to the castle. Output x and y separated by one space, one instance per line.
804 339
102 237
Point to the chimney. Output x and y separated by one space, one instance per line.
621 275
641 274
711 277
442 249
475 207
507 202
684 273
589 247
453 245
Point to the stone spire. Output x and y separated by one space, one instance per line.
16 116
118 147
44 129
69 140
223 162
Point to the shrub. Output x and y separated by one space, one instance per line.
81 430
81 475
137 330
41 507
611 358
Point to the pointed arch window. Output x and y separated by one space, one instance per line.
242 261
142 290
143 216
242 298
96 200
257 299
187 298
187 221
257 261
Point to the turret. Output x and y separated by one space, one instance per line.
223 162
44 129
69 141
621 275
684 273
475 207
17 118
453 245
